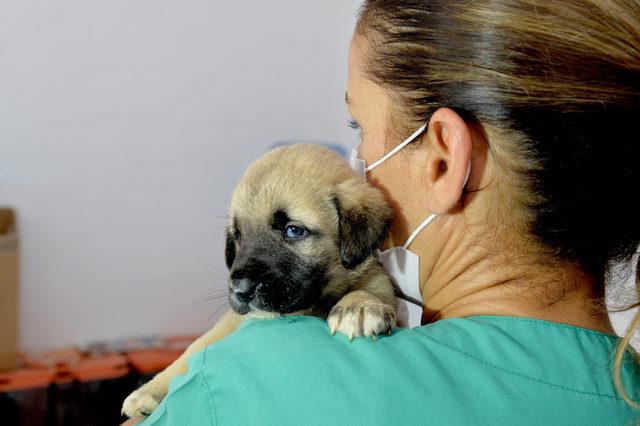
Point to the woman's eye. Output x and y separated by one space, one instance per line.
294 232
353 124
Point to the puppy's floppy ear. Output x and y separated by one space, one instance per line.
363 220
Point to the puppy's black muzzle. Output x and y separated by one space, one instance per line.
266 275
248 281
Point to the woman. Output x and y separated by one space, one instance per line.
527 160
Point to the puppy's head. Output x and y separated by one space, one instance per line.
301 221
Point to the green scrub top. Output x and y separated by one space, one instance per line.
477 370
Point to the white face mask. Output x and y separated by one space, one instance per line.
400 263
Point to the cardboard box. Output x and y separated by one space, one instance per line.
8 289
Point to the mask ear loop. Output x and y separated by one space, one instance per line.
432 216
418 229
397 148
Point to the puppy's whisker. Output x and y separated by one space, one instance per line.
223 272
217 216
213 297
208 306
223 307
216 290
203 303
219 274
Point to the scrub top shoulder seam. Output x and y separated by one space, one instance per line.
546 323
205 382
520 374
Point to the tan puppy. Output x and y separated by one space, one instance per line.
301 240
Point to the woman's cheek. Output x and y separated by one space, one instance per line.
368 150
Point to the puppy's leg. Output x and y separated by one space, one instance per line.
146 398
367 311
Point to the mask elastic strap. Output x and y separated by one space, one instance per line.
433 216
397 148
418 229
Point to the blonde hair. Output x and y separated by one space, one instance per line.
561 78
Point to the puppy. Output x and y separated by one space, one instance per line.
301 240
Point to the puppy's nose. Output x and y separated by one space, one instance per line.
244 289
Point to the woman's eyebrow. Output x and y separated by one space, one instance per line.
346 98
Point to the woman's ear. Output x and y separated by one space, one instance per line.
364 218
449 142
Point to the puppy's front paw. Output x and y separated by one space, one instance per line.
144 400
360 313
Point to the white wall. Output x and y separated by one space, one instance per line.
124 126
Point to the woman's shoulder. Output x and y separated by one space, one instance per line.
554 354
482 369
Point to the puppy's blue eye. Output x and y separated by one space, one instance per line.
295 232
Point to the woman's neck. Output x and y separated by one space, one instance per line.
467 278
